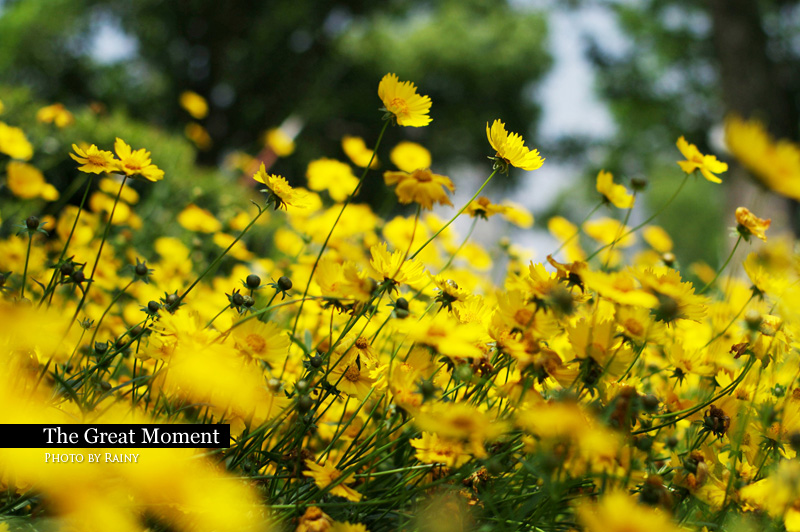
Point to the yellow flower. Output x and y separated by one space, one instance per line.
752 224
13 143
606 230
194 104
198 135
352 379
402 101
262 341
334 176
138 162
707 164
111 187
94 160
409 156
420 186
776 164
198 220
658 239
325 475
238 251
434 450
347 526
280 142
617 194
356 149
617 512
392 266
55 114
26 182
484 208
511 147
281 193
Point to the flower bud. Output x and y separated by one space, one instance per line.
32 222
253 281
284 283
153 307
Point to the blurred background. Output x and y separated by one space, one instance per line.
592 84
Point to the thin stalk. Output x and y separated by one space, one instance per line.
453 219
25 272
722 268
333 227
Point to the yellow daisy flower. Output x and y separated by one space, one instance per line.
325 475
263 341
408 156
13 143
618 195
510 147
707 164
356 149
401 100
194 104
420 186
281 193
133 163
750 224
55 114
94 160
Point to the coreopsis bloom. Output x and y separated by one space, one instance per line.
324 475
401 100
194 104
431 449
774 163
198 135
314 520
618 512
658 238
262 341
352 379
750 224
511 149
707 164
392 266
616 194
94 160
484 208
136 163
408 156
55 114
26 182
281 194
280 142
334 176
13 143
420 186
356 149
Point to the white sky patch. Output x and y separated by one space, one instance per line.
111 44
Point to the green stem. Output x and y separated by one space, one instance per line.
25 272
50 285
650 219
216 261
108 308
722 268
453 219
100 250
327 238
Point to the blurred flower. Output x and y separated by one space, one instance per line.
194 104
707 164
13 143
403 102
279 142
658 239
357 151
409 156
27 182
198 220
55 114
420 186
334 176
618 195
618 512
198 135
510 147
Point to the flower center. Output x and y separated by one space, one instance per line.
399 107
352 374
423 176
256 343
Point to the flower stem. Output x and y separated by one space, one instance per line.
327 238
650 219
25 272
722 268
453 219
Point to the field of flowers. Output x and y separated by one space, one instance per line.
374 375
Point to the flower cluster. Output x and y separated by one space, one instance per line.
393 381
